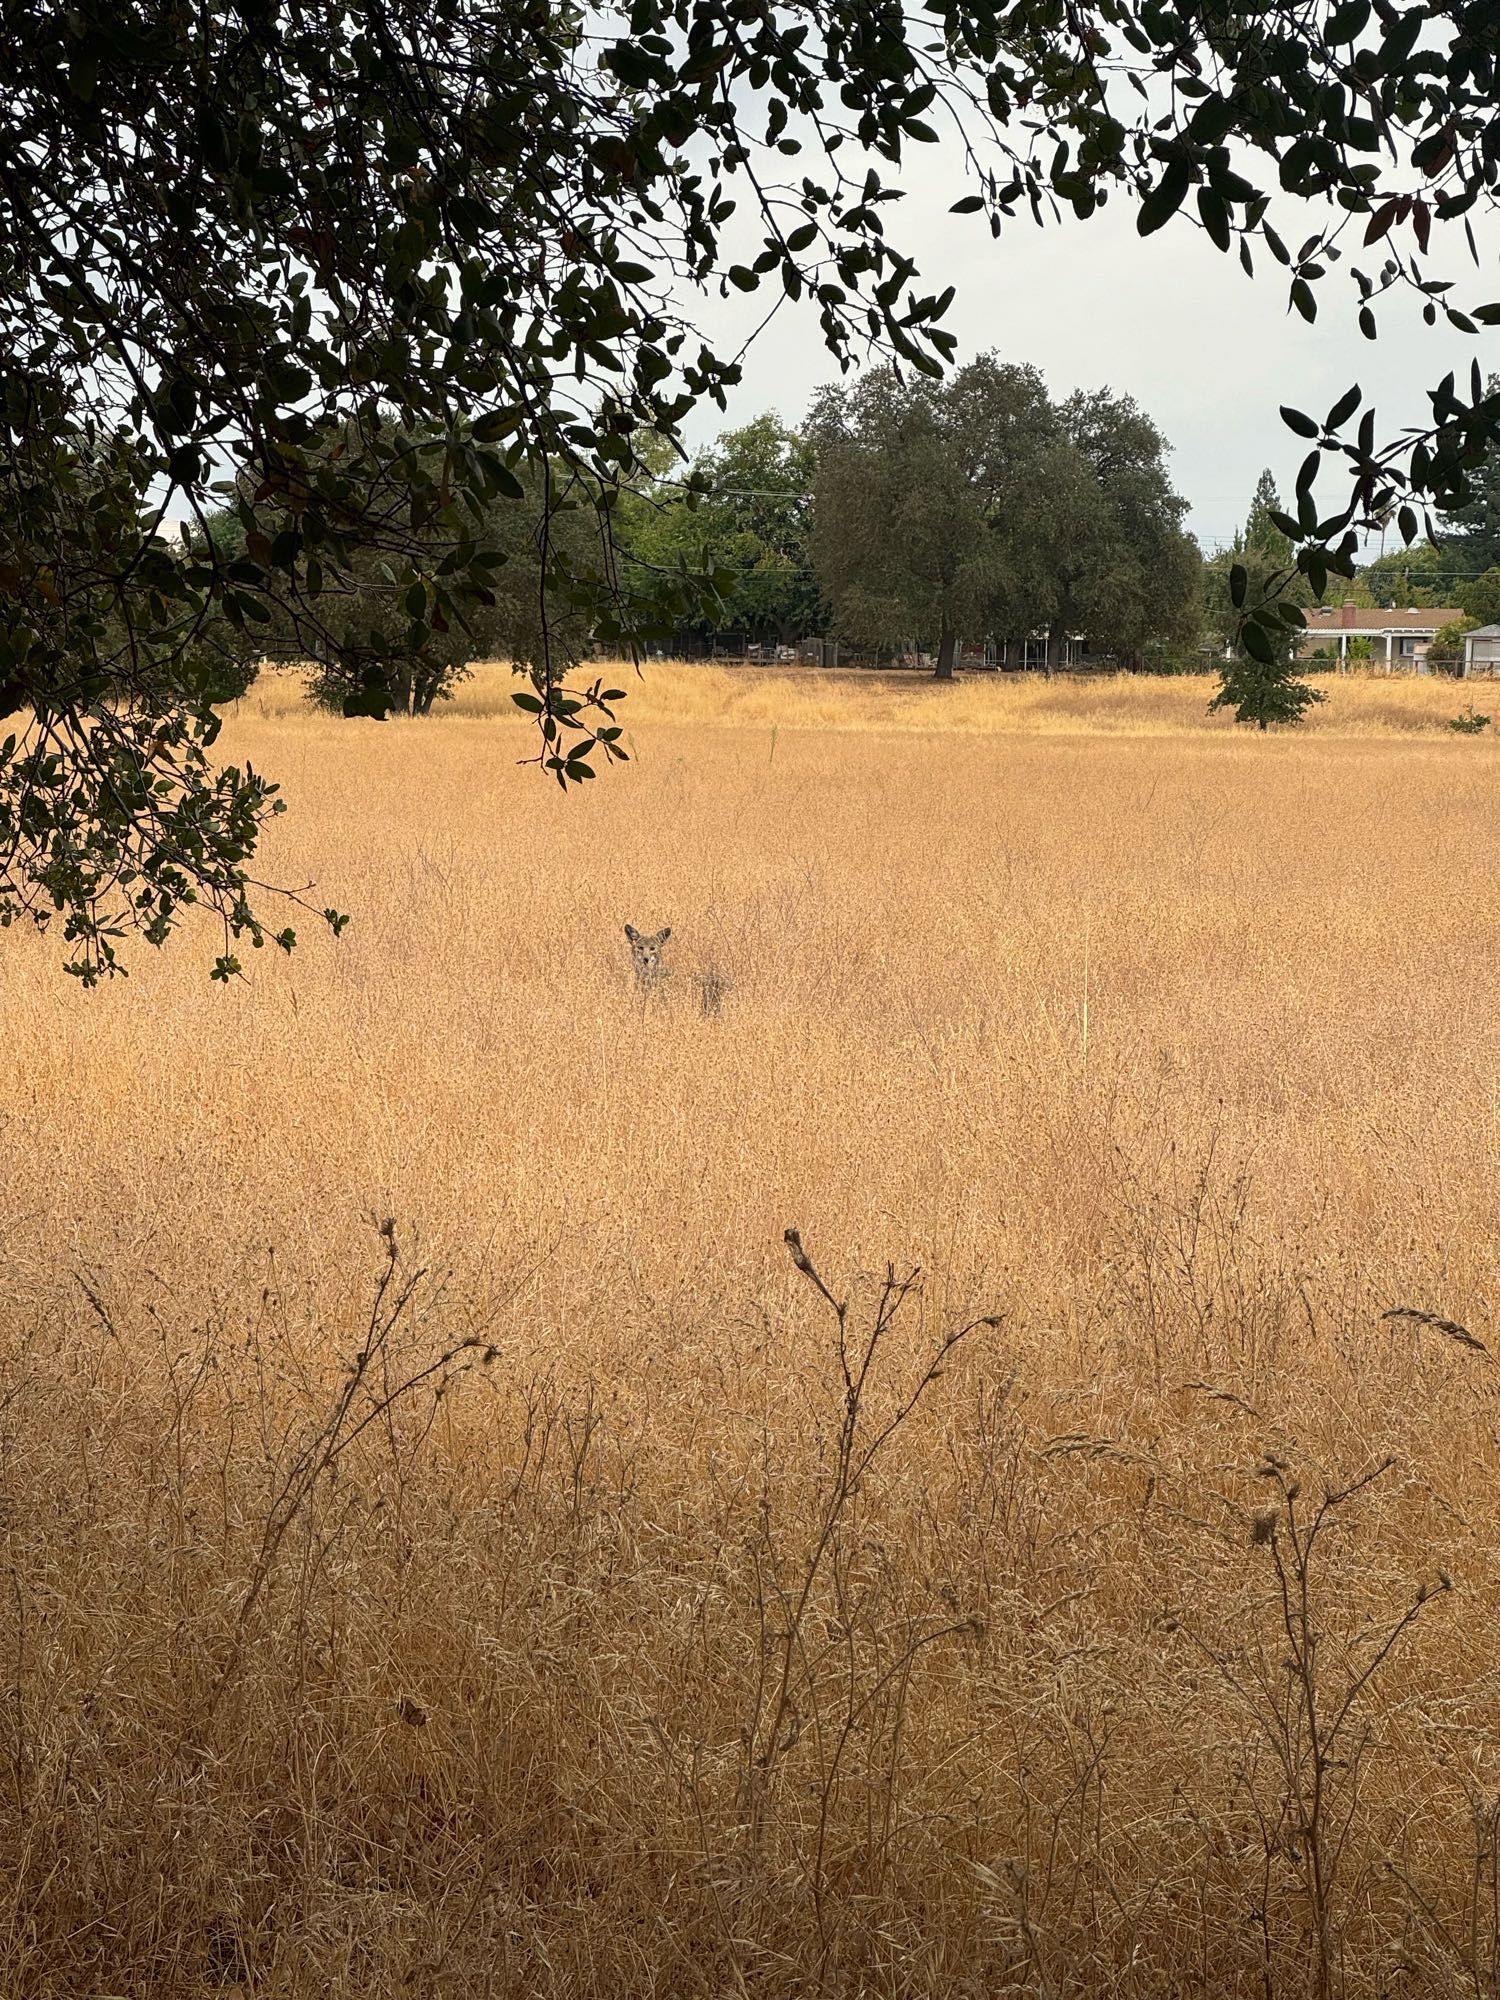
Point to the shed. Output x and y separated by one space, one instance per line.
1482 651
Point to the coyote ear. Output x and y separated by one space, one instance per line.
663 935
632 933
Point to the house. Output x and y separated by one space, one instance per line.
1482 651
1397 638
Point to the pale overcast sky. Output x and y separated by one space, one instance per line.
1209 353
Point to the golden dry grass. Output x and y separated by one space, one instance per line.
1359 703
1171 1048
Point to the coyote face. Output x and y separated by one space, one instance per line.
645 954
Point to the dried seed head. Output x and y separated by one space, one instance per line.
1449 1328
1262 1526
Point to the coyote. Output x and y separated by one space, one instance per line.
645 953
651 974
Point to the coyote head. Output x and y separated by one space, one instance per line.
645 953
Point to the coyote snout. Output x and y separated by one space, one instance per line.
645 954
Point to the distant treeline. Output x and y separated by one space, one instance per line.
905 515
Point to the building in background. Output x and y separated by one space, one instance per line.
1397 639
1482 651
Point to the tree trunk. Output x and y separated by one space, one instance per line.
947 651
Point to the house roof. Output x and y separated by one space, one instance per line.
1358 618
1484 632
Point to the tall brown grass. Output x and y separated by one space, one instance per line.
569 1590
1362 701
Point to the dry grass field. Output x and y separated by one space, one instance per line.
562 1593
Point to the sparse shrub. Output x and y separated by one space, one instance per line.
1306 1666
1468 723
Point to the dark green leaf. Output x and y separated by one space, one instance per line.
1257 643
1164 200
1215 217
1343 409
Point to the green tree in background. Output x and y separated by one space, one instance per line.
1448 640
1263 538
1135 575
736 533
1471 531
926 516
758 483
1479 597
976 508
1421 576
1064 531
